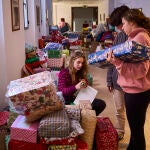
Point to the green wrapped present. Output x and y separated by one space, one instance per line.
54 53
31 60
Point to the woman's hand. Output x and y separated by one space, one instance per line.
110 89
81 84
110 56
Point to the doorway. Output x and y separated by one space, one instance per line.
83 15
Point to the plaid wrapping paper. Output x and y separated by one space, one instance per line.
23 131
55 62
34 91
55 124
129 51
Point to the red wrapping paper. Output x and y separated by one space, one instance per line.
23 131
20 145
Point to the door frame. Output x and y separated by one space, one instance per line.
72 13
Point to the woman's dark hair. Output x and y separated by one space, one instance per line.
62 19
115 18
136 16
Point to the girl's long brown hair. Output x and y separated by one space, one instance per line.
136 16
82 73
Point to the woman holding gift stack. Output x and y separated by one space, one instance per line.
134 78
112 74
73 78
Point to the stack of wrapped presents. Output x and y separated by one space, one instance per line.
129 51
55 61
43 122
75 43
35 61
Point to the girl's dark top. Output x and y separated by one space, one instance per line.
66 86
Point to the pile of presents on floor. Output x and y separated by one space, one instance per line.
38 119
42 120
52 53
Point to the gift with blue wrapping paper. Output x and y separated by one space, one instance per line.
129 51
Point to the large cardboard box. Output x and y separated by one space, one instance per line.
23 131
33 91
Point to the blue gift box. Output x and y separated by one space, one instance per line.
129 51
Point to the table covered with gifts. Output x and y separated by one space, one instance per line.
43 121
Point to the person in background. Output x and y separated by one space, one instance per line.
112 73
63 26
134 78
73 78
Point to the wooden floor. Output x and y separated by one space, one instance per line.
99 83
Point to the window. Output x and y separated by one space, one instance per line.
25 13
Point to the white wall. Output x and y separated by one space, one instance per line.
14 42
144 4
34 32
3 69
30 32
63 9
44 21
12 48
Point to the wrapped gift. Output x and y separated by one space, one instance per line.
4 117
33 91
76 145
54 53
57 141
31 60
23 131
62 147
54 125
21 145
53 46
73 113
65 51
129 51
55 62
